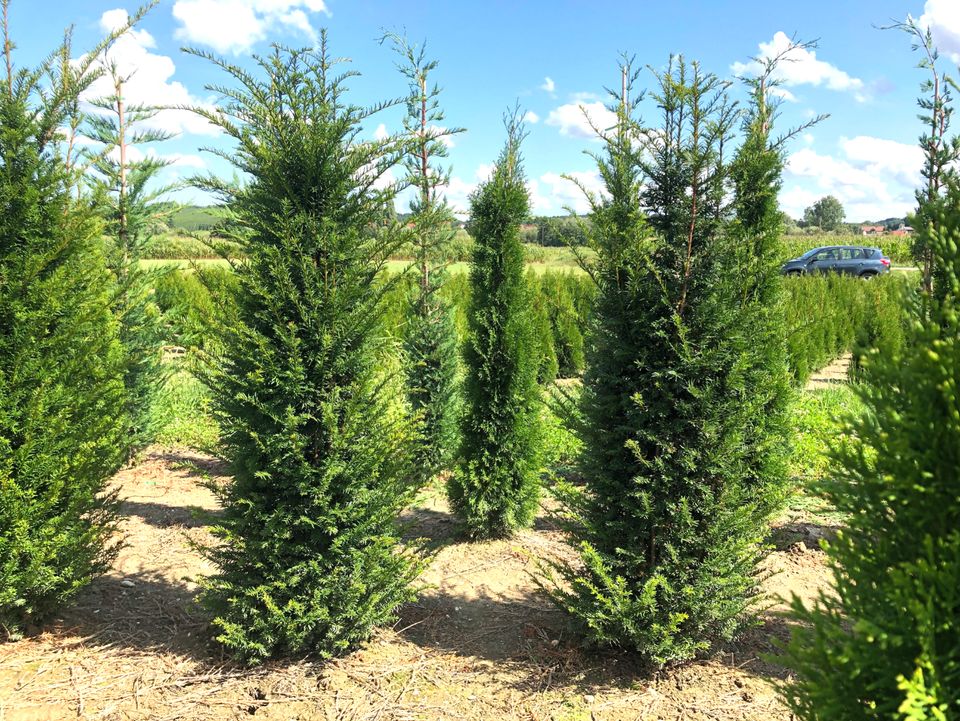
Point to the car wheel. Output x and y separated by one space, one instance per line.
794 273
869 275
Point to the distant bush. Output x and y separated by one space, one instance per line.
171 246
831 315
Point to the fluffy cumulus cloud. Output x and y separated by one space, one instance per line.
873 178
567 191
943 19
531 117
150 80
801 66
548 84
581 120
233 26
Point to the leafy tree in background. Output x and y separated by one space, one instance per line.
62 411
130 201
685 393
826 214
496 484
430 338
317 431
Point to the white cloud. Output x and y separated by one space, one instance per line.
943 19
801 67
150 80
235 25
579 120
484 171
183 160
808 138
873 178
457 194
531 117
381 132
783 93
900 162
548 84
563 193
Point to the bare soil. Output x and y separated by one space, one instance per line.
480 643
834 373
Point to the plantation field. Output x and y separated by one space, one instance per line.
174 246
479 643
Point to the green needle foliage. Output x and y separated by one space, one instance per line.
941 151
685 393
318 434
496 485
885 643
430 336
62 418
130 201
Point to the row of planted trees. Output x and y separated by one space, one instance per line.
683 411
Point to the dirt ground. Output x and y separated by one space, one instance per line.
479 644
834 373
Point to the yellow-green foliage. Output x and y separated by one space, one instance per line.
831 315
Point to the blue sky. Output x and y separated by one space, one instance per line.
553 58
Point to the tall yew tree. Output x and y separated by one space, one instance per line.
686 388
430 337
496 484
62 417
317 433
885 642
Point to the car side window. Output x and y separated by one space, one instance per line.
856 254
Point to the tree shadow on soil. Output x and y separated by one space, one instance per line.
787 535
164 516
143 612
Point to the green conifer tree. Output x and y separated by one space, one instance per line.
130 201
681 467
496 485
430 337
62 417
317 433
884 643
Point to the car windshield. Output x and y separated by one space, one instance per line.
809 253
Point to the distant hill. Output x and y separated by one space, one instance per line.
193 217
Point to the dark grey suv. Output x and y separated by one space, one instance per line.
855 260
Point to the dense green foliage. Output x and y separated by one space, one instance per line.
832 315
62 417
686 390
313 422
885 643
496 484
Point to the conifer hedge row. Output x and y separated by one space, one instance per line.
828 316
825 316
